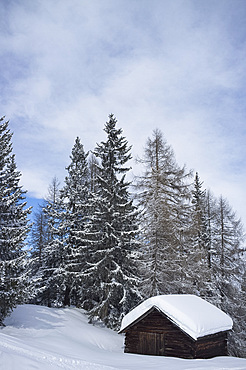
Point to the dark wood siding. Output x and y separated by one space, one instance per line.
155 334
151 343
212 345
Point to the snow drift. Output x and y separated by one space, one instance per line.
37 337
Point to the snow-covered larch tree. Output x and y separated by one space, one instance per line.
39 236
228 264
163 195
112 270
228 251
13 228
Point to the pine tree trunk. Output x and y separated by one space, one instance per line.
66 301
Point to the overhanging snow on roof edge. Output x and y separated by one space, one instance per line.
192 314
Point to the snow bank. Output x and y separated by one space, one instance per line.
61 339
192 314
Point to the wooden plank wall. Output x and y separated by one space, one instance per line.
212 345
156 334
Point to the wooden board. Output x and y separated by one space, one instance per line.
155 334
151 343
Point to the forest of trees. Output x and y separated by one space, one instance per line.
104 243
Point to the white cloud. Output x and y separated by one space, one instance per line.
179 66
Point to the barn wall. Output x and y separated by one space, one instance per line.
212 345
175 342
155 334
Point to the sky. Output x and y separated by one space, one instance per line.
176 65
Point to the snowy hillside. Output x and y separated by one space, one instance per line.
42 338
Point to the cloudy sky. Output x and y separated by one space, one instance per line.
176 65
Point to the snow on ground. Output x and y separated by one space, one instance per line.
41 338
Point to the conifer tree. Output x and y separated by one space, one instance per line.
112 272
228 266
93 165
199 219
13 228
163 198
199 254
39 241
39 236
228 249
75 197
210 211
237 339
47 280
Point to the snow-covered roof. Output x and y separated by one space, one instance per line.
192 314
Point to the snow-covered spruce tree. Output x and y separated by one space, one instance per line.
38 242
48 280
13 228
199 254
75 196
199 222
111 276
163 196
93 165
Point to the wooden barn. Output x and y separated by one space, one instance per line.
183 326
